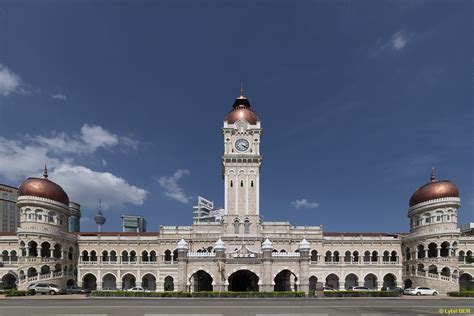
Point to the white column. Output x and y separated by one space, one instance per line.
246 194
226 184
257 192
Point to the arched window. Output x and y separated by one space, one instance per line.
374 256
407 254
236 226
125 256
85 255
175 255
231 183
393 256
133 256
347 256
105 256
251 183
336 256
167 255
328 257
246 226
241 183
386 256
145 256
355 256
367 256
314 255
93 256
152 256
113 256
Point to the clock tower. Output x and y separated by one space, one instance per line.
241 168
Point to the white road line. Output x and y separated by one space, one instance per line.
226 306
293 314
184 315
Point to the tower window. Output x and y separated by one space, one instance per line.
241 183
251 183
231 183
246 227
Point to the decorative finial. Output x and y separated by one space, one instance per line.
45 172
100 206
433 177
241 88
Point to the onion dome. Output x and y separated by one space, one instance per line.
241 110
435 189
219 245
99 218
267 245
304 245
182 245
43 188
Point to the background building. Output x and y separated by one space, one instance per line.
133 224
204 211
9 215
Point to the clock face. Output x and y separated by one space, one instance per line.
242 144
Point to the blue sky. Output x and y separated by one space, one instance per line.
125 100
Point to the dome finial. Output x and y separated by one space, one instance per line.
242 95
433 177
45 172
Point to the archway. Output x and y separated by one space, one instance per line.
45 269
9 281
313 283
89 282
351 280
243 281
466 282
128 281
389 280
45 249
109 282
70 282
32 249
332 280
31 272
202 281
149 282
285 281
370 281
169 284
407 284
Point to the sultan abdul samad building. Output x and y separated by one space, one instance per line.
241 252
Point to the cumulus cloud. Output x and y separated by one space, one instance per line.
9 81
59 96
399 40
87 187
171 187
91 138
25 157
304 203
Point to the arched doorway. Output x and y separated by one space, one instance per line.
389 280
313 282
370 281
128 281
408 283
351 280
109 282
285 281
31 272
169 284
202 281
149 282
9 281
243 281
466 282
332 280
89 282
70 282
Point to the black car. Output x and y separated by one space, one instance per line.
392 289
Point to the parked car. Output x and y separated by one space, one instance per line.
359 288
420 290
31 286
392 289
137 289
76 290
109 289
328 289
45 288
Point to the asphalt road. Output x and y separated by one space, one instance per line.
240 307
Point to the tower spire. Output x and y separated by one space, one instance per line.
99 218
45 172
433 177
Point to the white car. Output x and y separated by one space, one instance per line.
137 289
359 288
420 290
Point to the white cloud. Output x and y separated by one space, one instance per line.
91 138
26 157
304 203
104 162
9 81
397 42
171 187
87 187
59 96
85 220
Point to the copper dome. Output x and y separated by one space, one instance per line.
43 188
241 110
434 189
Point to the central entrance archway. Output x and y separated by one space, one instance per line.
202 281
285 281
243 281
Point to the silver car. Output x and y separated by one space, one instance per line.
45 288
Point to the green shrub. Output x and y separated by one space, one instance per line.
462 294
15 292
195 294
361 294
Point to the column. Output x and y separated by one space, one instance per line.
426 253
438 251
304 271
182 267
342 286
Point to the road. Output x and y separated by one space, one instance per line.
240 307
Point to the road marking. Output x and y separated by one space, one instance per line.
73 314
184 315
223 306
293 314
